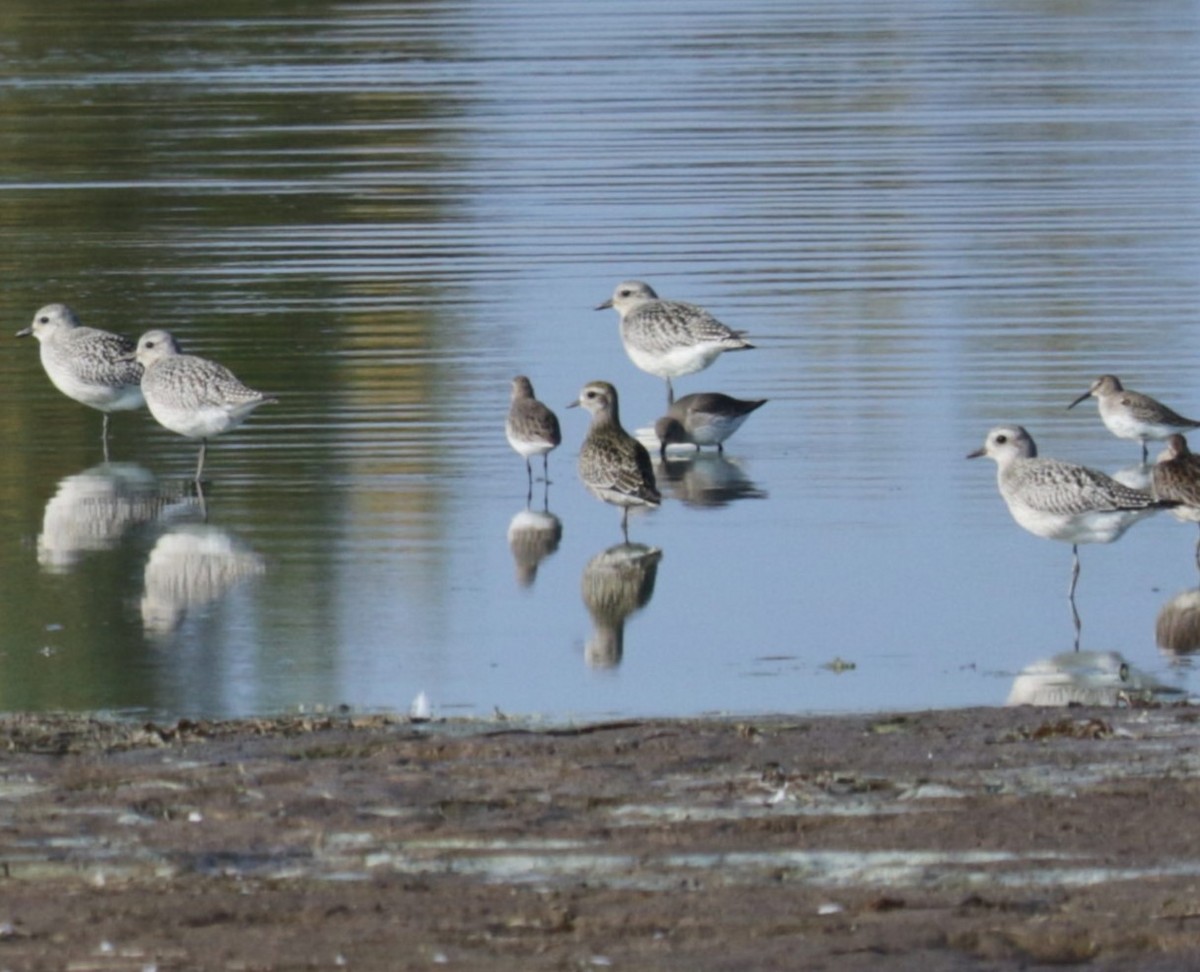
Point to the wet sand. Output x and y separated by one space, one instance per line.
986 838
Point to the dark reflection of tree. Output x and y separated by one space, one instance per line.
616 583
272 186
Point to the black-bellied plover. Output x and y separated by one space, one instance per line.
1061 500
531 427
1176 476
705 418
91 366
613 465
192 396
669 338
1132 415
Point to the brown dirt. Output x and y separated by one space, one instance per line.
988 839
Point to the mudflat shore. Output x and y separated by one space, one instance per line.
1013 838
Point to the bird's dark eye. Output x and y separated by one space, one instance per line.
1001 439
626 293
43 320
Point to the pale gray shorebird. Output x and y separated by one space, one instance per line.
1176 476
1061 500
1132 415
531 427
192 396
91 366
613 465
705 418
669 338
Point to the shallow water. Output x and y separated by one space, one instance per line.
930 220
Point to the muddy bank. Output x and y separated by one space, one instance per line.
998 838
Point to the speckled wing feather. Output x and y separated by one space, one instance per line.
191 382
97 356
1066 489
661 325
620 466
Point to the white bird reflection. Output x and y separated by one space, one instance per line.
191 566
533 535
1084 678
705 479
616 583
92 510
1177 627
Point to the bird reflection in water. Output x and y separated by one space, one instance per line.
705 479
1177 627
616 583
92 510
191 566
533 535
1085 678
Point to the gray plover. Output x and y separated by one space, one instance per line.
531 427
669 338
1061 500
87 364
1176 476
1132 415
192 396
613 465
705 418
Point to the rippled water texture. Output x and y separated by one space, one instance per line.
930 219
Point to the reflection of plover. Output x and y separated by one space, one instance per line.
1061 500
86 364
1132 415
1176 476
669 338
707 418
192 396
531 427
613 465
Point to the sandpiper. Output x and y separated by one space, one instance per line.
669 338
705 418
1132 415
1061 500
1176 476
531 427
613 465
192 396
91 366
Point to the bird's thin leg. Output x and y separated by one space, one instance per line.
625 523
1145 453
1071 594
203 501
1198 554
200 462
670 393
720 448
546 468
104 437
